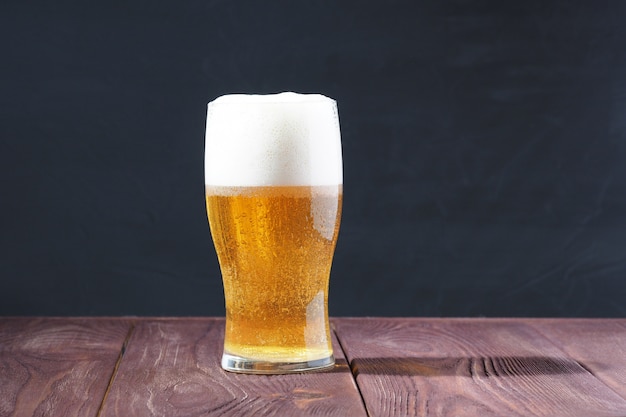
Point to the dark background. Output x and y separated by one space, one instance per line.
484 151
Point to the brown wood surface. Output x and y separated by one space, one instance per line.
431 367
171 368
57 367
598 344
469 367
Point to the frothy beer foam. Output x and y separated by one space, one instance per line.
276 139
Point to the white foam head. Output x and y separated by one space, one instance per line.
276 139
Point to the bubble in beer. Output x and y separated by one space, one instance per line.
269 140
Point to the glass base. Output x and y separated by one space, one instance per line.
254 366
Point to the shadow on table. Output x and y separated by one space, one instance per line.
499 366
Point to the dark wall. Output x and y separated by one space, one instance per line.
484 151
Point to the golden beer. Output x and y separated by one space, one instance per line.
275 247
273 177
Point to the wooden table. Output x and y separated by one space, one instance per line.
385 367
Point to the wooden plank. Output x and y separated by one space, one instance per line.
599 345
468 367
171 368
57 366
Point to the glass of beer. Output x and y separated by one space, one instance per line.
273 176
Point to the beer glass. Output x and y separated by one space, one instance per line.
274 183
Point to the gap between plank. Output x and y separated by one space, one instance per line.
555 343
115 368
352 371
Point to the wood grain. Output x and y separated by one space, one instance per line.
171 368
597 344
57 367
468 367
